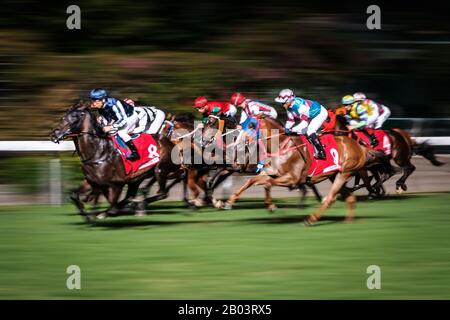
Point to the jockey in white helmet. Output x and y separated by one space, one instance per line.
311 115
382 112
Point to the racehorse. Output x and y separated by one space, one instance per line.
177 128
246 166
289 168
102 166
403 148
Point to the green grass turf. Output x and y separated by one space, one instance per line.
246 253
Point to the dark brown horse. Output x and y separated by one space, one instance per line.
403 148
102 166
290 166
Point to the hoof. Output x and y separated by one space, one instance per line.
399 190
349 220
310 220
140 213
89 218
196 203
404 187
372 196
219 204
227 206
101 216
272 208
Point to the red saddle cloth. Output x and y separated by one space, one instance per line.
147 148
384 140
332 161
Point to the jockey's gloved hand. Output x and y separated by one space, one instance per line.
287 130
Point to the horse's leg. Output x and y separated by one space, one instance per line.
303 191
131 193
337 185
408 169
365 177
260 179
316 192
195 182
148 185
112 194
162 193
268 200
350 199
75 197
224 174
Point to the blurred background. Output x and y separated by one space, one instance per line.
166 53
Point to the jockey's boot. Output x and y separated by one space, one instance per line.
320 152
134 153
372 138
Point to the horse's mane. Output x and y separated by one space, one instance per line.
186 117
274 122
77 105
83 106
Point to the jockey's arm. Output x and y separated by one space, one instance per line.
300 128
101 120
231 111
355 124
273 113
120 114
290 121
142 122
289 124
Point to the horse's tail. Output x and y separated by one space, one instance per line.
427 151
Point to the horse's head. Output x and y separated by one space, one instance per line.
71 122
210 129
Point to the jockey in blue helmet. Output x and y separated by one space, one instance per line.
118 115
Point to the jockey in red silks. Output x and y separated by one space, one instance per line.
250 123
218 108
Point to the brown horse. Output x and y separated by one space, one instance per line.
176 127
290 166
403 148
102 166
245 165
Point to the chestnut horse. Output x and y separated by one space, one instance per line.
290 166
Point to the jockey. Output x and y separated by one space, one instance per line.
383 111
219 108
251 107
249 122
311 115
358 115
118 115
150 119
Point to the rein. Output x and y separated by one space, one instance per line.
284 150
